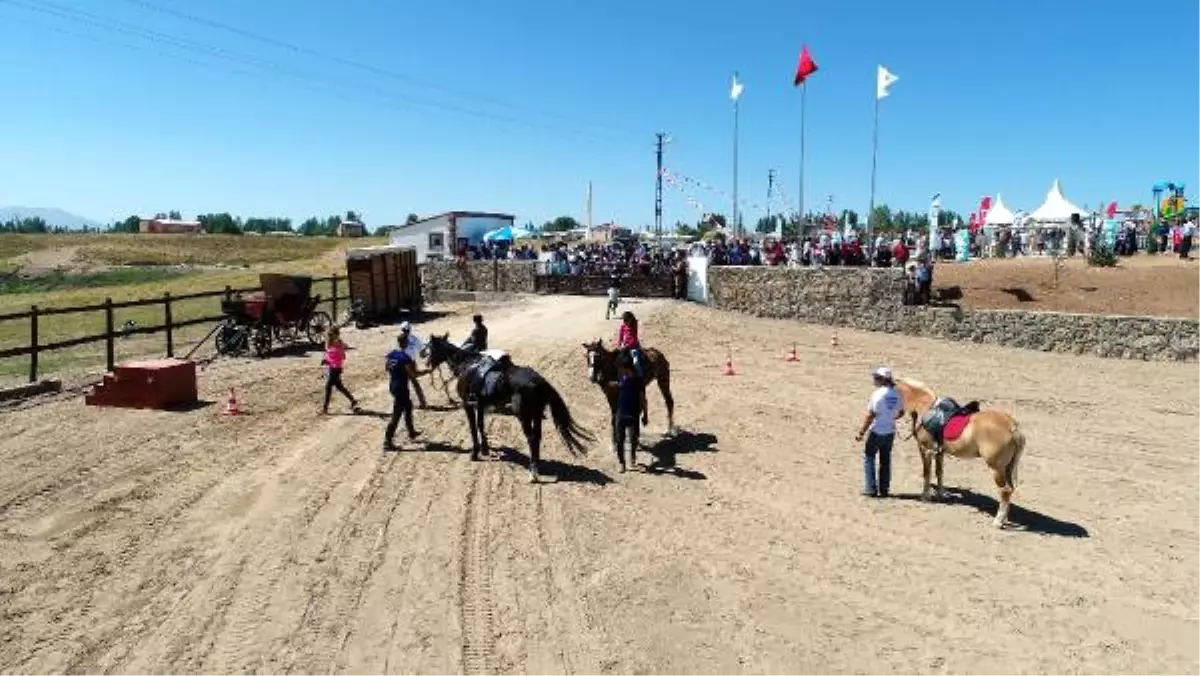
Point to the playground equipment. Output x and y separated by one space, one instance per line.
1174 204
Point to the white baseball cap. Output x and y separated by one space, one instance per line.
882 372
405 326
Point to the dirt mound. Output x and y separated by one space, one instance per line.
283 541
1141 285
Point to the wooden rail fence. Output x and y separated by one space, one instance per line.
112 333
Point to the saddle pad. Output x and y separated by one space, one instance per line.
954 427
498 355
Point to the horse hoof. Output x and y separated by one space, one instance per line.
998 524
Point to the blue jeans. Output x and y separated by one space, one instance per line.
881 444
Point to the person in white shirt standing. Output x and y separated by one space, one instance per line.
411 345
883 408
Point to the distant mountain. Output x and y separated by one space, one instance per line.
55 218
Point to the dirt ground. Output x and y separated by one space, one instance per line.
1161 286
284 542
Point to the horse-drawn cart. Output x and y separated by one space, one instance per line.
283 313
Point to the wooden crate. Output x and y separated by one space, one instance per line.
384 279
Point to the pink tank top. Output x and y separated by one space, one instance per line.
335 356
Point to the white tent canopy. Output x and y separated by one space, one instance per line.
998 214
1056 208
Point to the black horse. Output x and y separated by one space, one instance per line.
483 382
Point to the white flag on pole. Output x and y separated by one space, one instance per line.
883 80
735 90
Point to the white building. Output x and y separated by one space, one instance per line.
437 237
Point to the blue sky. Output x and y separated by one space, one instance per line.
106 120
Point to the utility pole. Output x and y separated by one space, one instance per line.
658 188
589 208
770 191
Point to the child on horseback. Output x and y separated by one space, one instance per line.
334 362
631 348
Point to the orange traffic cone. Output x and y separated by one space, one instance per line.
833 342
231 404
792 356
728 370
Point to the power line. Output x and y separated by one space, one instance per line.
402 77
305 77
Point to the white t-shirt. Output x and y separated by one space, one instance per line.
613 296
886 405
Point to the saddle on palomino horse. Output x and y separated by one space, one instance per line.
947 419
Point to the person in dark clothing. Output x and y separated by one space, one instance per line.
478 340
629 410
401 370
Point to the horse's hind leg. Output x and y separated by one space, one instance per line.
664 386
533 436
480 423
1000 476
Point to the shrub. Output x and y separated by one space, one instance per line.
1102 256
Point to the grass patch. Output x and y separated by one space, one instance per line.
58 279
90 358
165 250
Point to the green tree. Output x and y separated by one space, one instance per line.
352 216
561 224
265 225
130 224
174 215
412 218
220 224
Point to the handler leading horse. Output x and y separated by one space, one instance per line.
482 381
992 435
602 370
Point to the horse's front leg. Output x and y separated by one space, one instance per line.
475 430
480 410
938 459
926 493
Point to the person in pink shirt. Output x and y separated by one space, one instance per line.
334 362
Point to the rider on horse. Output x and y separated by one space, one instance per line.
627 342
478 340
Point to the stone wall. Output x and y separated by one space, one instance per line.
870 299
489 276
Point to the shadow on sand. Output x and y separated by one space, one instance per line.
683 441
560 471
1019 517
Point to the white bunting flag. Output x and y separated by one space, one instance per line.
883 80
735 90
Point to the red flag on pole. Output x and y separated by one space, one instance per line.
1112 210
805 68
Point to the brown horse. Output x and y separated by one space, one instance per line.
602 370
992 435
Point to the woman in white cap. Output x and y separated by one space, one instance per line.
411 345
883 408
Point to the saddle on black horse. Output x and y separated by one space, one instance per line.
946 413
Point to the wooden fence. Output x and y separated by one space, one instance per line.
111 333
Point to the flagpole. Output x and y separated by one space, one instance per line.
736 223
800 219
874 163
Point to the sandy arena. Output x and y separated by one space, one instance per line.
283 542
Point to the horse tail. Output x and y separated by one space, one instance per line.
1018 444
573 435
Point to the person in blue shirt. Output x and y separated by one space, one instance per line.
402 370
628 413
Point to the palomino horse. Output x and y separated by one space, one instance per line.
520 387
992 435
602 370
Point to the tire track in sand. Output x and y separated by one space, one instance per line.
475 576
566 610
